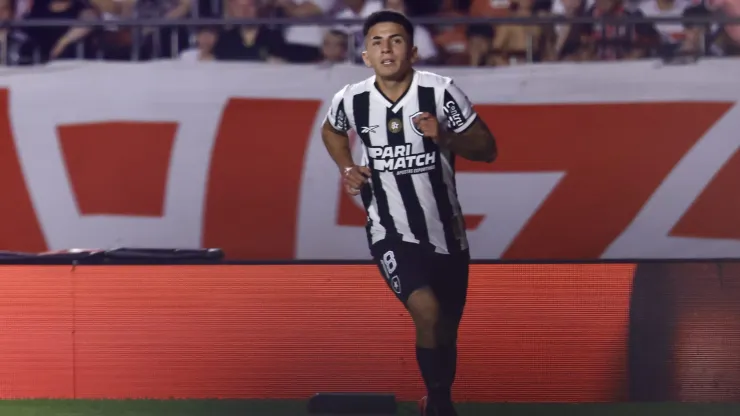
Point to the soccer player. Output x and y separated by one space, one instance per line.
412 124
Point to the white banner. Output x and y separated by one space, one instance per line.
520 207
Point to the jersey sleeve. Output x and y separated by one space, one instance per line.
457 109
337 115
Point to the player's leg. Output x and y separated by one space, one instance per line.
450 283
407 269
424 309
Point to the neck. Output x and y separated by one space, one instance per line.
394 88
665 4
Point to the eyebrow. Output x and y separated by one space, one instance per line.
395 35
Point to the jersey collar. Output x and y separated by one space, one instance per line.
398 104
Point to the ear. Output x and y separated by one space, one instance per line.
414 54
365 59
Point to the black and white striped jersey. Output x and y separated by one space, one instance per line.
411 195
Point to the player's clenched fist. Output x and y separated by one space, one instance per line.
354 178
428 125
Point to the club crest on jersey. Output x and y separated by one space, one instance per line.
413 124
395 125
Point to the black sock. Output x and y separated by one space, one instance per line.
448 369
431 371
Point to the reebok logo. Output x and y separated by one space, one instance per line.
366 130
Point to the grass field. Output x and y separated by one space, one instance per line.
297 408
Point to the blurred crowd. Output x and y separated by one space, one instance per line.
451 44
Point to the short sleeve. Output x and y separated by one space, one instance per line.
337 115
457 109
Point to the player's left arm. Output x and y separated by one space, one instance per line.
465 134
475 143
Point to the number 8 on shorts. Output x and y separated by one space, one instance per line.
389 264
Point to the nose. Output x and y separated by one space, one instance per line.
386 46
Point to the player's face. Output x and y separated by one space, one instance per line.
388 50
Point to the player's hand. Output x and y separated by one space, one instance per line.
428 125
354 178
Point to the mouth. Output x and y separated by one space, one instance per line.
387 62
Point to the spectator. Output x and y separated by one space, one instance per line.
207 8
357 9
728 35
427 50
490 8
513 43
248 43
450 6
205 41
22 8
569 40
168 37
613 42
334 47
480 43
559 6
480 36
693 38
303 43
669 33
452 40
154 42
55 42
424 7
11 40
116 43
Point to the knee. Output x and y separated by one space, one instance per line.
447 331
424 309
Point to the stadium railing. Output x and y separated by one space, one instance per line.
191 23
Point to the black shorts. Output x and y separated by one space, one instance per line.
407 267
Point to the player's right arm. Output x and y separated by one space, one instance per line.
335 137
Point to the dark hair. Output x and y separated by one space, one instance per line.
389 16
